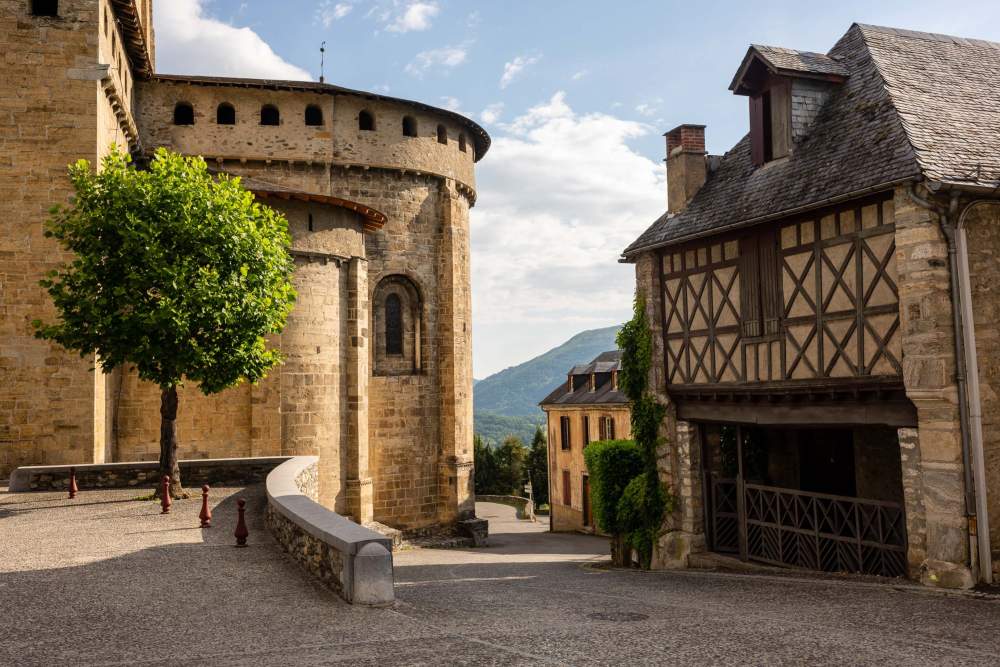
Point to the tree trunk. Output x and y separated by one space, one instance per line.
619 557
168 442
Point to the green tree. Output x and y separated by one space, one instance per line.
512 471
485 463
175 272
538 467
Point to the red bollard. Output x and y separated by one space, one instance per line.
206 514
165 495
73 488
241 524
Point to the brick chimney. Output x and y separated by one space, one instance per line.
686 165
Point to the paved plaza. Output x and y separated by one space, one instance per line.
107 580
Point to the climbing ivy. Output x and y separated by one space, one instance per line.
644 500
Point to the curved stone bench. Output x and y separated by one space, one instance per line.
354 561
525 507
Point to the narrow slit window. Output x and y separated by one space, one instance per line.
183 114
564 433
269 115
461 143
393 324
225 114
442 134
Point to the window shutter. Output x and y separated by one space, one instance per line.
757 129
769 285
567 490
750 314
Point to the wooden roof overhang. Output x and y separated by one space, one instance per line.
756 66
133 37
373 219
798 403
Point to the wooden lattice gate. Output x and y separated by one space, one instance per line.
808 530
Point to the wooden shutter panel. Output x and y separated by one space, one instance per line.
757 129
750 314
769 286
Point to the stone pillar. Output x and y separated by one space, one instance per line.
455 478
310 392
680 469
929 377
359 482
913 499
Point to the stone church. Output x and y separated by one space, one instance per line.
377 376
824 299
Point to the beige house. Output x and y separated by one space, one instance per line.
824 305
377 376
588 407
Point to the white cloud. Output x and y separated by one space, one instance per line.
330 11
515 68
581 75
650 108
446 57
491 113
561 194
452 104
415 16
189 42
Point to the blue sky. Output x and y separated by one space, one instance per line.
576 95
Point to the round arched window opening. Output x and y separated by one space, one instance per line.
409 126
366 121
225 114
269 115
183 114
314 116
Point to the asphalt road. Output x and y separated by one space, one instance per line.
106 580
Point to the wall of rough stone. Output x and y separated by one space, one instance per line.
338 140
983 243
52 407
929 377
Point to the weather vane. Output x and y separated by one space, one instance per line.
322 61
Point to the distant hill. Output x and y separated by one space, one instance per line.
495 428
516 391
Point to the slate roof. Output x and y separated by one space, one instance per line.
603 394
784 60
914 104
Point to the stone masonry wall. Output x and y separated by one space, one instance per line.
983 242
52 407
929 377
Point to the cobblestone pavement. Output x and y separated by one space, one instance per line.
106 580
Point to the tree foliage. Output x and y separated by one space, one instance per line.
175 272
538 467
502 470
611 465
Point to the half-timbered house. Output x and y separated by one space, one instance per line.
824 305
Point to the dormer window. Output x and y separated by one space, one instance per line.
776 80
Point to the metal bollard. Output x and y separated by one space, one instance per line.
73 488
206 514
165 495
241 524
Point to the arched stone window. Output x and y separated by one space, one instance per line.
442 134
366 121
461 143
183 114
409 126
269 115
314 115
393 324
225 114
397 322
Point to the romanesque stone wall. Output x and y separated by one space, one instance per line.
52 407
983 242
339 140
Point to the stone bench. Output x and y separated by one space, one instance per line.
354 561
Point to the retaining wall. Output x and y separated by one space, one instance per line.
525 507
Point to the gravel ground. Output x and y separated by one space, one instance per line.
107 580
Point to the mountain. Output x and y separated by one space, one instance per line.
515 391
